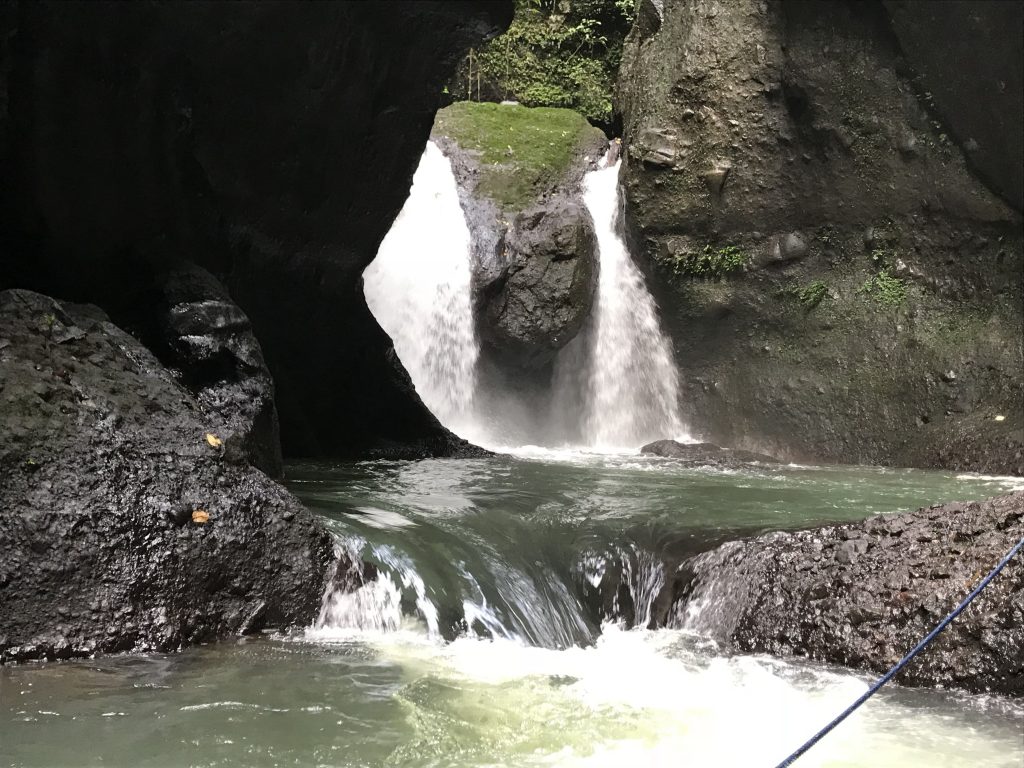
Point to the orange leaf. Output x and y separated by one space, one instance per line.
200 516
213 440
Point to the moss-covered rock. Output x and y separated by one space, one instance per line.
535 271
522 153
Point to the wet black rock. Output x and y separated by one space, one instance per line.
862 595
208 340
127 521
545 290
700 454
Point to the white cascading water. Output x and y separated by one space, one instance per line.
615 386
418 288
632 384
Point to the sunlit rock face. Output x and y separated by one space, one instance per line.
825 235
270 144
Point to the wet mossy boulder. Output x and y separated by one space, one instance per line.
535 252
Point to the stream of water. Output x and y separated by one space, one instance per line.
506 545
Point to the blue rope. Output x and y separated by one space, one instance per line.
904 661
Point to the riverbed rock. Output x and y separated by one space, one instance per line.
864 594
540 299
703 454
127 519
271 144
795 332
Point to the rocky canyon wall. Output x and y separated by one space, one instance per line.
829 216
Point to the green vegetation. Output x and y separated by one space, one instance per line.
811 295
523 151
557 53
708 263
885 289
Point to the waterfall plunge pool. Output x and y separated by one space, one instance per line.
505 539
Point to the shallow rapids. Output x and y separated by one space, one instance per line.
492 548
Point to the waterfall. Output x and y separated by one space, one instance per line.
631 380
614 387
419 287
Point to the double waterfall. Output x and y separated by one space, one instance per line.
616 380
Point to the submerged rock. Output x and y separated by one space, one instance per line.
704 453
864 594
128 521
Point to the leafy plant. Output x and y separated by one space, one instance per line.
811 295
885 289
708 263
555 54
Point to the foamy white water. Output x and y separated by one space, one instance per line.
664 698
418 288
632 386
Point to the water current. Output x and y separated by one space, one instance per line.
528 678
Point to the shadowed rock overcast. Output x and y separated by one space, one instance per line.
271 144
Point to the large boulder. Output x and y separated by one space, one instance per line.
837 283
534 247
270 143
128 519
543 293
864 594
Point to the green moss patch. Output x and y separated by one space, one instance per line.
811 294
885 289
709 263
523 151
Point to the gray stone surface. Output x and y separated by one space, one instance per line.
795 128
540 299
864 594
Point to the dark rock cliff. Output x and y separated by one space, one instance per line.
271 144
800 187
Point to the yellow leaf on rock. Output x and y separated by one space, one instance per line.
200 516
213 440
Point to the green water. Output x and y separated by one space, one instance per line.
495 552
